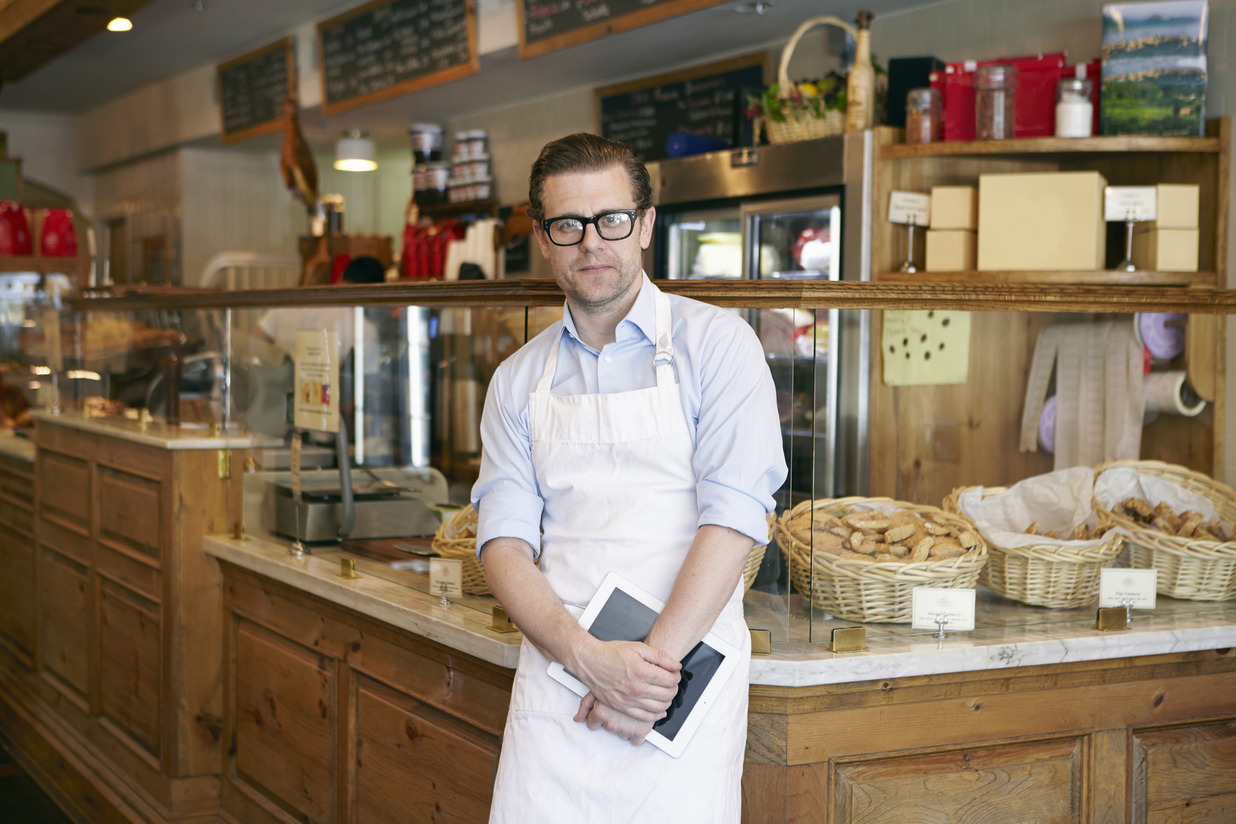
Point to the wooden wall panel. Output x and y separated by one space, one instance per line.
65 481
17 593
130 512
1185 774
1037 781
65 621
285 714
414 763
130 665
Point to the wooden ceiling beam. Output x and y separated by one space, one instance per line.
35 32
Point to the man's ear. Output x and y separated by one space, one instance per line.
645 228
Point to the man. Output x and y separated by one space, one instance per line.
638 435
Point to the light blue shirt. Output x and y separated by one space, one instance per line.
727 394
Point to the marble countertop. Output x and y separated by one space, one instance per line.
1007 634
157 433
16 446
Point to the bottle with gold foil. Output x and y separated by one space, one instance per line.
860 85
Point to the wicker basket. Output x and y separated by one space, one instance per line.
1047 574
1188 568
871 591
456 538
805 128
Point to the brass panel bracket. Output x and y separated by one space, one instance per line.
502 622
347 568
225 463
848 639
761 641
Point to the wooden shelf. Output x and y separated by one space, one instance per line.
920 294
1057 278
1054 146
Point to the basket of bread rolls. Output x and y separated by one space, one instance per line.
861 558
1180 522
1045 549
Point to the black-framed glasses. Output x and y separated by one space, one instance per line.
568 230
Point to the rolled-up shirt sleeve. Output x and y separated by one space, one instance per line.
739 458
506 496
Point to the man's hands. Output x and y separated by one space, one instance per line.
631 684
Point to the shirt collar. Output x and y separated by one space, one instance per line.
642 316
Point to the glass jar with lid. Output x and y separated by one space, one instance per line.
995 91
924 110
1074 109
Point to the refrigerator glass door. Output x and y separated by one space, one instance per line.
702 244
798 238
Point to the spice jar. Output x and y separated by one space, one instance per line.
1074 111
923 112
995 89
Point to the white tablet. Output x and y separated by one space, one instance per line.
621 611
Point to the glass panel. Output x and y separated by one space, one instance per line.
797 238
702 244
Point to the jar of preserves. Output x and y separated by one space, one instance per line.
995 91
924 110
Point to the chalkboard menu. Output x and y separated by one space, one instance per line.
708 102
252 89
545 25
393 47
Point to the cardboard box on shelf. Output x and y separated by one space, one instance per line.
951 250
1165 250
1041 221
1176 206
954 207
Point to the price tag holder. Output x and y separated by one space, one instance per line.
1136 203
1134 588
446 577
912 208
939 608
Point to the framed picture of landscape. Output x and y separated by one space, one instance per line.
1154 68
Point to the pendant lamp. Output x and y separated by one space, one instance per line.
355 152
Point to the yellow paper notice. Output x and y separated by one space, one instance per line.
925 347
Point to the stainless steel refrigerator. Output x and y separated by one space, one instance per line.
789 211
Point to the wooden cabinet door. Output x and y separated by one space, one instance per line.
1036 782
130 664
65 624
17 593
1185 774
285 716
416 764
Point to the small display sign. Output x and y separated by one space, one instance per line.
939 608
1136 203
909 208
1134 588
446 577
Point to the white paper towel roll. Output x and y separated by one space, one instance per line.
1168 393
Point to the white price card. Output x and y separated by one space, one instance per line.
446 577
909 207
1129 203
931 604
1135 587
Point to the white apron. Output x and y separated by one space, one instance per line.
619 487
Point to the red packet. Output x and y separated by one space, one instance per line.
1034 112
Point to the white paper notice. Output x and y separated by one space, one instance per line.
931 604
909 208
446 577
316 402
1135 587
1129 203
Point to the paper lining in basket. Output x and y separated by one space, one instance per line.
1058 501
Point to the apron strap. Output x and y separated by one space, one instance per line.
551 364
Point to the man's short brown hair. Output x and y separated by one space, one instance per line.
583 152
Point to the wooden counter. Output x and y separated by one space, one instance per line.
1034 716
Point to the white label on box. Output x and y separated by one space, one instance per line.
1129 203
446 576
909 207
931 605
1135 587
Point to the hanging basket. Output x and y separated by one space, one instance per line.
804 125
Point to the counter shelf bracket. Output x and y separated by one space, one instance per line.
1113 619
848 639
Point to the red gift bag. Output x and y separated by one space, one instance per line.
1034 108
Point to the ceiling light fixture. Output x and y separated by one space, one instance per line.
355 153
120 24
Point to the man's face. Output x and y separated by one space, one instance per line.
597 275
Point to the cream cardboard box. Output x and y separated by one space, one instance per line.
1176 207
1163 250
954 207
1041 220
951 250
